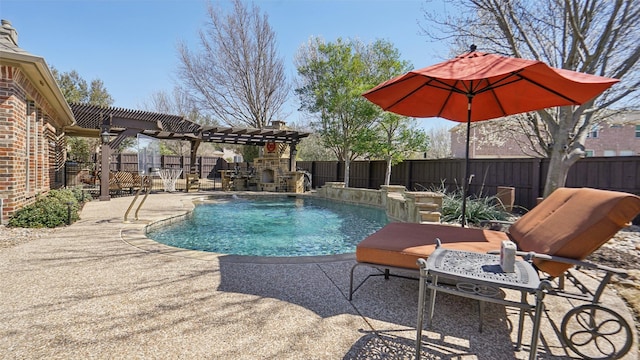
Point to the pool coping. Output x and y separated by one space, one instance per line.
136 235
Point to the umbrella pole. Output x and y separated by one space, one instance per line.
465 181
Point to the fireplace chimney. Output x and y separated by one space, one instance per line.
7 31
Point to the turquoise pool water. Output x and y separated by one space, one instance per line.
273 226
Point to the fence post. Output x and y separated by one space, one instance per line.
536 173
408 175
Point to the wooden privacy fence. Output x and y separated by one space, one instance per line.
527 176
206 166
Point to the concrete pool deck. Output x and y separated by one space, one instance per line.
100 289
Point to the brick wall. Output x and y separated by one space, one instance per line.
488 140
614 140
28 136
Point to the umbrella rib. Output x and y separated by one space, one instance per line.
515 77
402 98
428 83
506 80
550 90
452 90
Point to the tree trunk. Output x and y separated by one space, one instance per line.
558 169
387 176
563 154
347 165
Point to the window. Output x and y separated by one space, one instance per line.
593 133
626 153
588 153
637 131
609 153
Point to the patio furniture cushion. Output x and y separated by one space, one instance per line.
573 223
570 223
401 244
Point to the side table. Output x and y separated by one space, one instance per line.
479 276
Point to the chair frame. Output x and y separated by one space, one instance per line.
590 309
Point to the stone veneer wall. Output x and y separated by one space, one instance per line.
278 166
28 142
400 205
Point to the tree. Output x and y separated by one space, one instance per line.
236 76
177 103
331 80
312 148
591 36
439 143
76 90
394 139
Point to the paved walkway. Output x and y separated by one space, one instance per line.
99 289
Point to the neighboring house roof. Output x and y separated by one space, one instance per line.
493 139
37 72
626 117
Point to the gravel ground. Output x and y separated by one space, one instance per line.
623 251
10 237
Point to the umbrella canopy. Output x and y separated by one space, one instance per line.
478 86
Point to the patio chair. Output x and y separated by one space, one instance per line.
558 234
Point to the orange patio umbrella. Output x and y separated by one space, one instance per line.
478 86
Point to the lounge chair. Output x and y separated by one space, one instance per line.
558 234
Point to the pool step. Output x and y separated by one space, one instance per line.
428 212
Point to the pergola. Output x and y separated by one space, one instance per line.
107 122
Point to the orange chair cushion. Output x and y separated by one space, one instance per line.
401 244
573 223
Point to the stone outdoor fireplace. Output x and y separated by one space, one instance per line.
273 172
270 172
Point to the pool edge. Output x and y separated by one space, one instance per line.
136 236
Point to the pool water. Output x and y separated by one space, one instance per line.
273 226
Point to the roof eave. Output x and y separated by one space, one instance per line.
38 72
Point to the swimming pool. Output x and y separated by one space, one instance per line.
273 226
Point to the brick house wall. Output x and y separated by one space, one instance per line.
33 114
616 139
28 158
619 137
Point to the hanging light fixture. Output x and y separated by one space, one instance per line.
104 136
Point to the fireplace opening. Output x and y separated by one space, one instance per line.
267 176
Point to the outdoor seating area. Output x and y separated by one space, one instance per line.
124 181
268 173
134 297
554 236
524 291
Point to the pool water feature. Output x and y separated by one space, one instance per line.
273 226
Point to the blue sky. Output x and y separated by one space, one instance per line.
131 44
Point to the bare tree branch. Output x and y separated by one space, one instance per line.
236 74
592 36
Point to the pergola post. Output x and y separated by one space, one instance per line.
104 172
292 156
194 151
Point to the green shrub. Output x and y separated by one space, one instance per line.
51 210
478 209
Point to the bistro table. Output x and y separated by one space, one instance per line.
479 276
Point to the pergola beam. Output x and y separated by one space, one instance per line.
91 119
